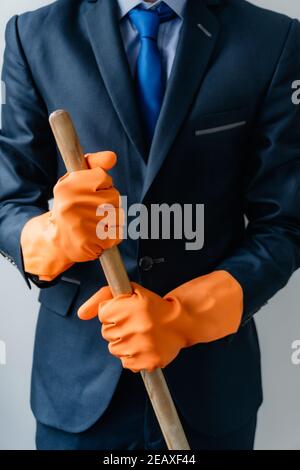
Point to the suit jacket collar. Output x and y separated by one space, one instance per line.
198 37
105 37
196 44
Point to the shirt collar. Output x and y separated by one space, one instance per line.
126 5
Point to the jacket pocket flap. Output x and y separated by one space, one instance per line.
225 127
221 121
59 298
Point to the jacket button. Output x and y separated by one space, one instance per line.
146 263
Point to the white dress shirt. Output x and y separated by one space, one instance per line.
168 34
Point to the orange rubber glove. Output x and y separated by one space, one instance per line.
147 331
54 241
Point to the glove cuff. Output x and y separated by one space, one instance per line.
42 253
211 307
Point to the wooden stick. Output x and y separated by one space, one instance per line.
116 275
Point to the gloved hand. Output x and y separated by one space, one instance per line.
53 241
147 331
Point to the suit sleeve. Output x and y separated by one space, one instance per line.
270 252
28 155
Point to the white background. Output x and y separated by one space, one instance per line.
278 323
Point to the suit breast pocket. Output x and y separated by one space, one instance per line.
222 126
220 146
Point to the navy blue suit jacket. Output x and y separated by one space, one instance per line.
231 82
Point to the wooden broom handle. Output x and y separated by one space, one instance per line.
116 276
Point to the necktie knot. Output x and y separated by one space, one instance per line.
147 22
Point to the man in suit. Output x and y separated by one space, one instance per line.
195 99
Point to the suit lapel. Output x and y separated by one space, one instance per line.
198 37
104 33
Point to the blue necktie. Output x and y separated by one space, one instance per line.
149 74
